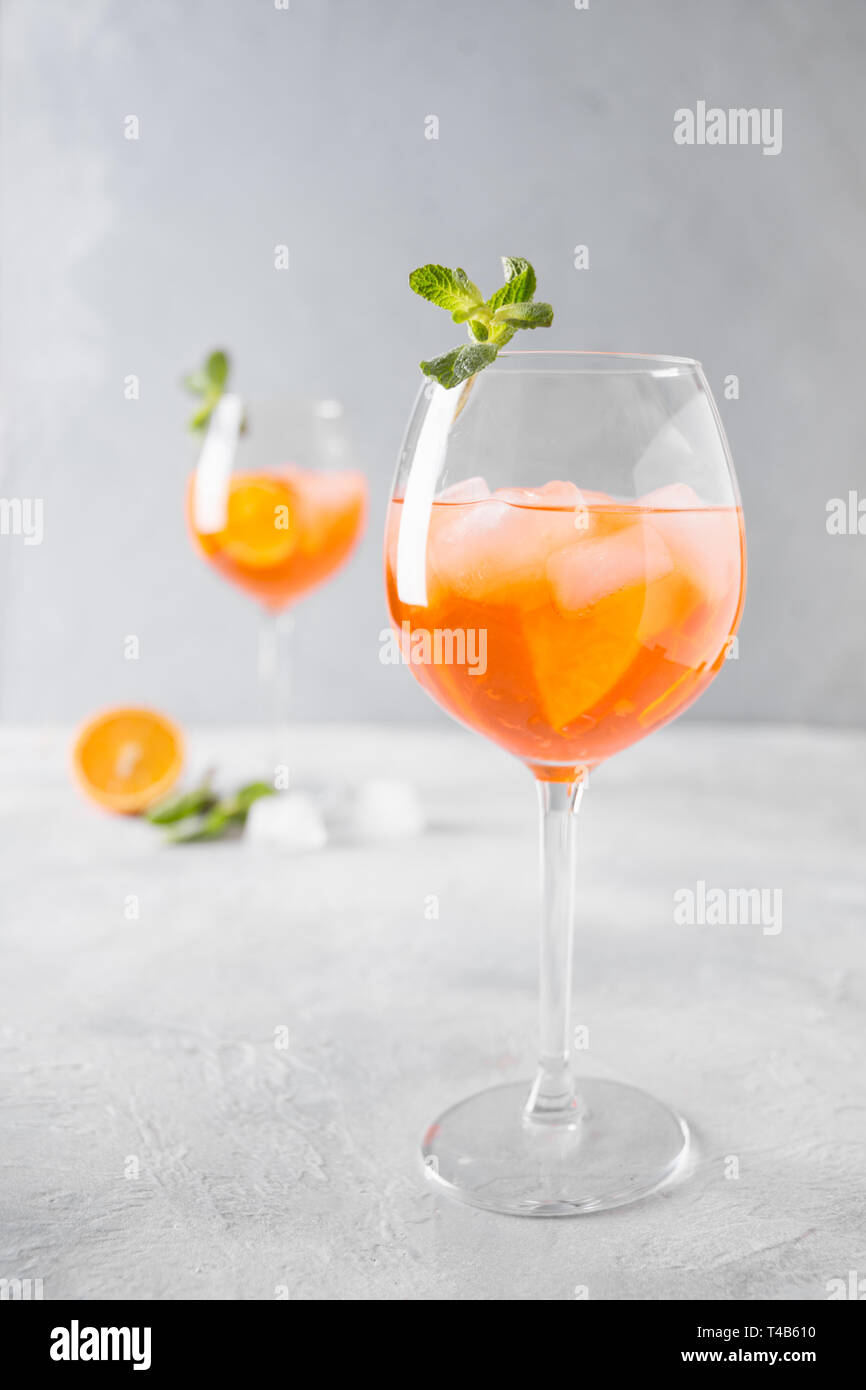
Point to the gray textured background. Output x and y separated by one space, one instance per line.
306 127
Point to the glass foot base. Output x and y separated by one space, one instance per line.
620 1146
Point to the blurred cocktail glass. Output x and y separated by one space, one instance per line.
277 507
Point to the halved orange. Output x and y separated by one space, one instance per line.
261 529
126 759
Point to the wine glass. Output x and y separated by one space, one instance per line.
276 528
565 565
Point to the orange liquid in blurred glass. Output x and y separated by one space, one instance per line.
286 531
603 619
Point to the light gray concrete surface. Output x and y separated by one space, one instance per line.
260 1169
305 127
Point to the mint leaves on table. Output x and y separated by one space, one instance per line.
201 815
209 383
491 323
195 803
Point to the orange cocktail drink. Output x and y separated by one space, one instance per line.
284 532
601 619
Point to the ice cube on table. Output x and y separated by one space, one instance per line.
385 809
287 821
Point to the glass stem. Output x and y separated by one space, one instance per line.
275 650
552 1099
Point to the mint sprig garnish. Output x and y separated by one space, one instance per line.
202 815
209 383
491 323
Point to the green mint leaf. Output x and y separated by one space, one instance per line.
450 289
177 808
455 366
518 268
467 286
500 334
253 791
201 418
213 819
212 826
217 368
519 284
525 315
209 382
479 330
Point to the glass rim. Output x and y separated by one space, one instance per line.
583 359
